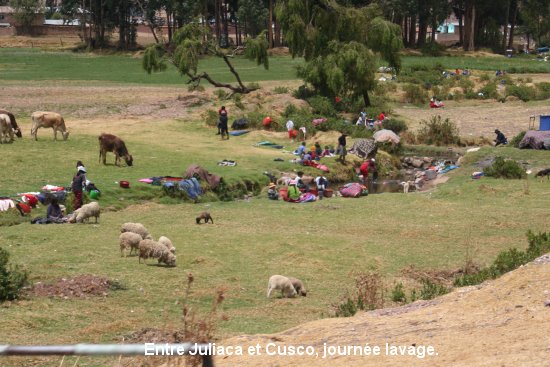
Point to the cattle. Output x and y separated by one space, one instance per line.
6 131
112 143
14 125
48 119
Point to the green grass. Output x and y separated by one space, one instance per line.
36 65
521 64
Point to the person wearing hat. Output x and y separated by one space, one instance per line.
272 193
501 139
342 148
79 180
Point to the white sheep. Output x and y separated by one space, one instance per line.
282 283
166 242
149 248
298 286
85 212
136 228
129 240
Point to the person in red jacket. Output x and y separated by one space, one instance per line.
364 170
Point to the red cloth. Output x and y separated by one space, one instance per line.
267 121
337 99
381 117
31 200
77 200
292 133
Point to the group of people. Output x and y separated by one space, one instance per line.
363 120
297 188
314 153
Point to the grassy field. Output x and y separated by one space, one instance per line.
36 65
323 243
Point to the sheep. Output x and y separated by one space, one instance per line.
129 240
149 248
282 283
85 212
136 228
166 242
298 286
206 216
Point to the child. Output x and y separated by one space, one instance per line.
272 193
221 111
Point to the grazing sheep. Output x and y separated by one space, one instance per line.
136 228
298 286
282 283
166 242
149 248
129 240
85 212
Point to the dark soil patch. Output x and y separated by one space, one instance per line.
81 286
152 335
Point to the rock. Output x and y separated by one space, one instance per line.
427 159
547 303
417 163
426 165
430 175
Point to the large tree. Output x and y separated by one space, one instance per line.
193 41
339 44
26 12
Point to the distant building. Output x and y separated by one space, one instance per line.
7 17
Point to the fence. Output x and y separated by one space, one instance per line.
203 350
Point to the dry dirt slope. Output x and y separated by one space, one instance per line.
502 323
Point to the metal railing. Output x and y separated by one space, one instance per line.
202 350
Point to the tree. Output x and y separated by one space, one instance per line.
339 44
192 41
252 14
26 12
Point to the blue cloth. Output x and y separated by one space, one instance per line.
191 187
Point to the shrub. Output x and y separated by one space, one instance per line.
210 118
221 94
290 110
543 90
280 90
12 278
415 94
430 290
369 295
237 98
466 84
517 139
303 92
523 92
489 91
432 49
398 293
438 132
502 168
485 77
509 260
322 106
395 125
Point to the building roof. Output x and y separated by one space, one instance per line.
6 10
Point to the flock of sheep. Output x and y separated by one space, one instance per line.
136 237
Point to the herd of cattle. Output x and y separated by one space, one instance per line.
46 119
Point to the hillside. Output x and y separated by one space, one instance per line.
501 323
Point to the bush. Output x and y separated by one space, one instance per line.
502 168
237 98
509 260
322 106
523 92
221 94
415 94
489 91
543 90
430 290
290 110
395 125
210 118
280 90
438 132
467 85
398 293
517 139
12 278
303 92
432 49
369 295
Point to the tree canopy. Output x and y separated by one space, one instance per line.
339 44
193 40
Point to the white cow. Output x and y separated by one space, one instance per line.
49 119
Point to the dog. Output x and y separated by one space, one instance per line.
407 185
206 216
544 172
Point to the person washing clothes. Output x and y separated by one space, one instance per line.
501 139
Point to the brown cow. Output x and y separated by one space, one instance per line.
48 119
16 128
6 131
112 143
